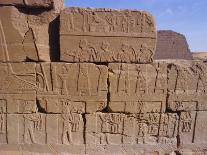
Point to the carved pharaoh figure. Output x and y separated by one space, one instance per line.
126 53
83 80
141 84
123 80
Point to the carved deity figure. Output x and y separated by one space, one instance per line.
32 123
186 120
64 78
106 55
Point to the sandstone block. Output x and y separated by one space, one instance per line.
27 35
138 88
105 35
172 45
187 86
44 4
84 86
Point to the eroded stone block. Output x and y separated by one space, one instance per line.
27 35
17 78
105 35
187 86
76 84
138 88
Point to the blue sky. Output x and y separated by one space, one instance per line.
188 17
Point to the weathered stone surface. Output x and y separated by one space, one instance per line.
172 45
187 86
105 35
47 4
17 78
82 85
27 35
138 88
200 56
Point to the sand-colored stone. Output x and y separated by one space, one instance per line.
138 88
172 45
106 35
34 4
27 35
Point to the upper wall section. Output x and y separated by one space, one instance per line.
106 35
47 4
172 45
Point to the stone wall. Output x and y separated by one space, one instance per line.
84 82
172 45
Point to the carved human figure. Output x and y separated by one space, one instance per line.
32 122
186 120
124 24
181 85
106 54
115 122
67 128
159 81
111 20
141 83
123 80
64 78
164 125
83 80
86 52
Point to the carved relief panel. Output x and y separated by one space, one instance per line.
116 128
187 86
105 35
136 86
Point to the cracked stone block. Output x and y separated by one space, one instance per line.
27 35
83 86
187 86
104 130
138 88
43 4
172 45
17 78
106 35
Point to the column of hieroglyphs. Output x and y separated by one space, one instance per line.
83 81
